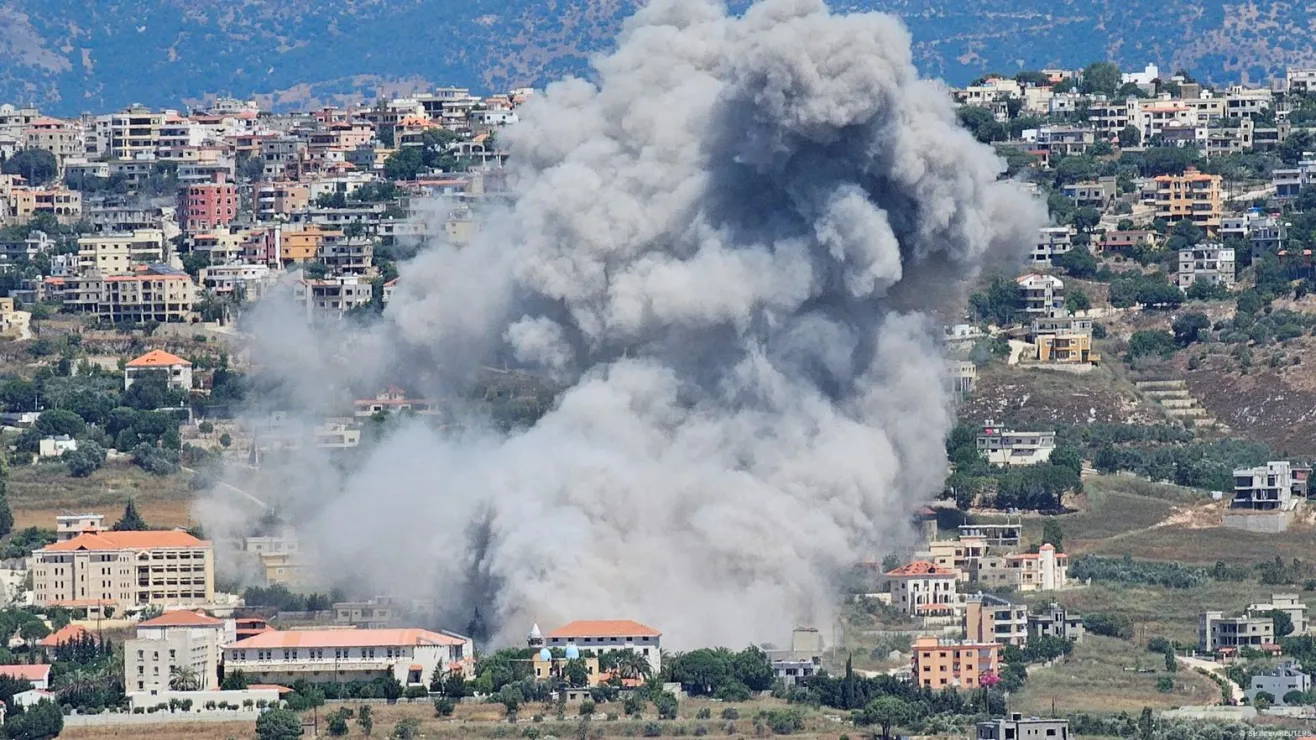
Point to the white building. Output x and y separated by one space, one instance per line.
183 641
1052 241
602 636
343 655
176 371
1008 447
1041 294
56 446
68 526
38 674
1149 74
923 589
1212 263
1283 679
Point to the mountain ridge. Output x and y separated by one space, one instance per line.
69 56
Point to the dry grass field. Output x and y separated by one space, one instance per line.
38 492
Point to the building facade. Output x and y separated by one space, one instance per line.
208 205
127 570
179 650
343 655
1017 727
1042 295
1211 263
939 664
923 589
1056 621
990 618
609 635
1008 447
176 372
1216 631
1193 196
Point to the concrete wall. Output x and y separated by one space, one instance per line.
1268 522
199 699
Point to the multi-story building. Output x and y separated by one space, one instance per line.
1289 182
1209 262
241 281
1069 141
1123 242
1193 196
61 138
1041 294
1017 727
1052 241
370 614
939 664
957 554
1246 102
1066 348
351 256
923 589
1008 447
208 205
1283 679
1059 322
1216 631
1056 621
995 535
990 618
1268 235
125 570
176 372
62 203
1154 117
609 635
280 199
1267 487
131 134
153 293
182 645
1300 79
119 254
344 655
1044 570
1097 193
68 526
1290 605
302 245
332 298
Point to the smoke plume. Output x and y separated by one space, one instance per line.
725 248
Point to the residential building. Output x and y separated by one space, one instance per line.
963 376
1041 294
990 618
1301 79
603 636
68 526
61 138
62 203
957 554
795 672
56 446
352 256
1267 487
391 400
369 614
1216 631
104 255
183 643
1268 235
343 655
208 205
243 282
38 674
26 248
128 570
1017 727
1052 241
994 535
923 589
1066 348
280 199
1069 141
1096 194
1278 682
1193 196
1056 621
130 134
1244 102
1289 182
1008 447
1290 605
1044 570
288 568
331 298
153 293
955 664
1059 322
176 372
1153 118
1210 262
552 668
302 245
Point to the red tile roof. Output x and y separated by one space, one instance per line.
182 618
920 568
158 358
603 628
109 540
34 673
67 633
345 638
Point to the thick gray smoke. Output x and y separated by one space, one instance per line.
725 249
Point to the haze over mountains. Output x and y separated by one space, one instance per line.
70 55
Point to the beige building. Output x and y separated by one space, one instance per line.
154 293
922 589
1044 570
990 618
132 132
1216 631
332 298
342 655
182 642
126 570
939 664
118 254
1066 348
1193 196
61 138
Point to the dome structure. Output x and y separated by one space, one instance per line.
546 655
535 634
573 652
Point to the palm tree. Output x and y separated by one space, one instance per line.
183 678
631 664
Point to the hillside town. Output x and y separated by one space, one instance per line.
137 245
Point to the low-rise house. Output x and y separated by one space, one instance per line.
391 400
1211 263
1278 682
1017 727
1041 294
176 372
989 618
995 535
1067 348
607 635
1289 182
1216 631
1097 194
1008 447
923 589
957 554
343 655
1124 242
939 664
38 674
1060 323
1056 621
56 446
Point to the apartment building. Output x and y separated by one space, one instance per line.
208 205
955 664
1300 79
331 298
133 133
923 589
1056 621
351 256
68 526
282 156
1044 570
1209 262
1267 235
280 199
957 555
1290 605
182 642
1041 294
243 282
64 204
222 246
1153 118
345 655
606 635
990 618
1216 631
1097 193
105 255
1267 487
1052 241
1193 196
176 372
125 570
1017 727
1059 322
1066 348
1069 141
61 138
302 245
1246 102
1289 182
152 293
1009 447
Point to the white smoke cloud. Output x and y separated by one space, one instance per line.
726 248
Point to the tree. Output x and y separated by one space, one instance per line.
576 673
278 724
633 665
1078 262
1086 218
1100 77
444 707
37 166
391 688
225 440
1283 623
235 680
982 124
131 521
58 422
587 708
365 719
1188 327
183 678
1077 300
336 722
1263 700
1053 535
884 711
41 721
406 729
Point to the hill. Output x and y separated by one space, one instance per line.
71 56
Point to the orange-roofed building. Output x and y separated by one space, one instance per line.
342 655
922 588
38 674
603 636
105 571
174 641
176 371
67 633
